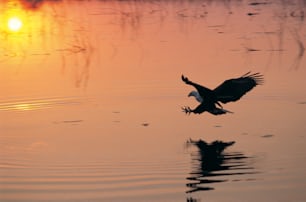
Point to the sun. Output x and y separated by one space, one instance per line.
14 24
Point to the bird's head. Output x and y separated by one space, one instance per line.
196 95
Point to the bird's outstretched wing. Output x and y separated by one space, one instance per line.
203 91
233 89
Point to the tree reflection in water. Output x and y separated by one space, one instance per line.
211 164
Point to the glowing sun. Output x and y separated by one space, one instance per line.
14 24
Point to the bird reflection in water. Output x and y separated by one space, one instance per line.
192 200
211 161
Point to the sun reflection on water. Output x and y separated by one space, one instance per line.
29 34
14 24
38 104
13 17
23 107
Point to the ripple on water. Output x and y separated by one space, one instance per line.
33 181
38 103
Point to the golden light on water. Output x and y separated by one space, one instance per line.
38 104
14 24
91 97
13 17
23 107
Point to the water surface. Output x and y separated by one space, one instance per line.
91 101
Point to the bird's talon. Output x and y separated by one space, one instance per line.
187 110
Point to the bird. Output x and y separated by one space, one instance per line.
230 90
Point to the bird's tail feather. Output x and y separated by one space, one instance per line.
219 111
226 111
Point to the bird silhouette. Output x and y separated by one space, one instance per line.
230 90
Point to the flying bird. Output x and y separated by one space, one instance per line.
230 90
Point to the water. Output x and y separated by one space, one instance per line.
91 101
